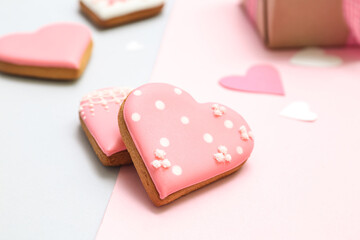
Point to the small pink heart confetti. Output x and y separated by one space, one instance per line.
258 79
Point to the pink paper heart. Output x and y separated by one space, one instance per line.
258 79
60 45
167 126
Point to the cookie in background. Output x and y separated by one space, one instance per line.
58 51
110 13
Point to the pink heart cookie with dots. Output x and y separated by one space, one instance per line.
258 79
179 145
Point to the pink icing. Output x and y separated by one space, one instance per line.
55 45
189 145
99 111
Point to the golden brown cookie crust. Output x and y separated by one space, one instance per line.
121 19
144 174
48 72
117 159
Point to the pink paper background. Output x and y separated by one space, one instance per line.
302 180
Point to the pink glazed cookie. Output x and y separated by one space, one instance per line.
58 51
179 145
98 115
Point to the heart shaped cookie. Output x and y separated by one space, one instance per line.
179 145
109 13
98 116
258 79
56 51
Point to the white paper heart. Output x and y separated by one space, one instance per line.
315 57
134 46
299 111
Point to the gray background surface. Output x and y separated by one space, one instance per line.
52 186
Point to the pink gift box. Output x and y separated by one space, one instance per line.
299 23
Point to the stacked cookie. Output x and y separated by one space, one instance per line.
176 144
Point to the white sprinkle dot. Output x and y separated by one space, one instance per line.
156 163
184 120
135 117
164 142
166 163
228 124
208 138
177 91
137 93
160 105
239 150
228 157
176 170
82 113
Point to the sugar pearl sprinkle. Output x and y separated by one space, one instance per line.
103 98
218 110
160 160
244 134
222 155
